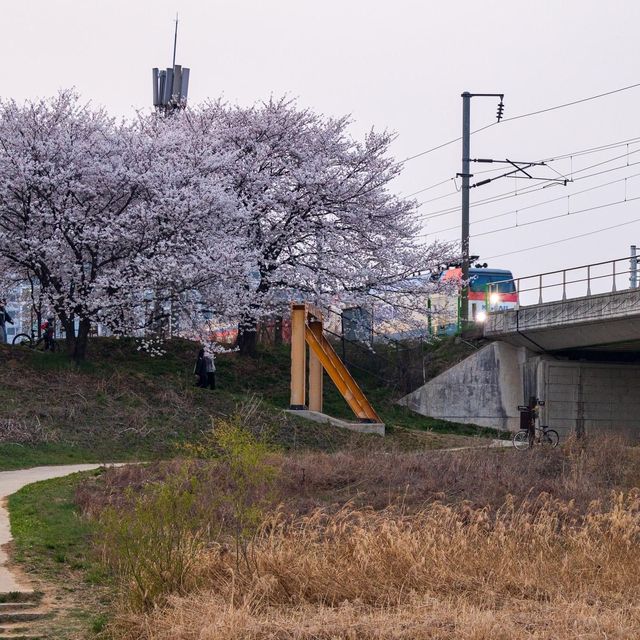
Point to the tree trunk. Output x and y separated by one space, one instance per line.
82 340
248 326
247 337
70 335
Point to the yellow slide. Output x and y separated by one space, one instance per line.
340 376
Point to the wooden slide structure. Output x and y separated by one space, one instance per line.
306 330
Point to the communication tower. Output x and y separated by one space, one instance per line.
170 85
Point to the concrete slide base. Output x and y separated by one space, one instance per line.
361 427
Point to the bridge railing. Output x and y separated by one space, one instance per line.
564 284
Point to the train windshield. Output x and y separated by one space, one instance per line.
480 281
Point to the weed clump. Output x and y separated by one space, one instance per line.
155 538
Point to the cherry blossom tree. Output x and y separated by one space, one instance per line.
198 261
99 212
319 220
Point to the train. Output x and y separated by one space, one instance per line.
481 298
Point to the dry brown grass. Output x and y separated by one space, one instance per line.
578 471
375 478
468 545
538 570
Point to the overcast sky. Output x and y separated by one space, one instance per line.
398 65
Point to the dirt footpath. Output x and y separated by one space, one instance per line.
10 482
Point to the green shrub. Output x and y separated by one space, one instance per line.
154 543
153 540
252 478
245 459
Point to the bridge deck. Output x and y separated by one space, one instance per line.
604 320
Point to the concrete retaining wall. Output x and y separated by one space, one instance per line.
484 389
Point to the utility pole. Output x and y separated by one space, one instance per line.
465 175
466 154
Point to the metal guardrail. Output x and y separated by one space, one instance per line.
565 284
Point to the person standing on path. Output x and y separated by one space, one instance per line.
200 370
211 371
4 318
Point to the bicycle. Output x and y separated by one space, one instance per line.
31 341
542 434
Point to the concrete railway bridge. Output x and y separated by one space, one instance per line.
573 341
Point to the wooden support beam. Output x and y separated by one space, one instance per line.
298 357
341 377
307 329
315 370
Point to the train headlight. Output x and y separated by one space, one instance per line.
481 316
494 298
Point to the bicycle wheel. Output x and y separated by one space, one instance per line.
521 440
23 339
550 438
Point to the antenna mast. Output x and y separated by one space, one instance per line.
175 42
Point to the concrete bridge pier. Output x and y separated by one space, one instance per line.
590 393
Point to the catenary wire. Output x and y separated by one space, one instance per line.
534 187
590 150
522 115
533 206
554 242
561 215
574 154
537 186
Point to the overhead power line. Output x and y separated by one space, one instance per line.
522 115
554 242
446 195
571 104
445 144
534 206
433 186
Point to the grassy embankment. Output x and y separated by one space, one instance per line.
123 404
362 543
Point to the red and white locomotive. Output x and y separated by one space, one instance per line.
489 289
